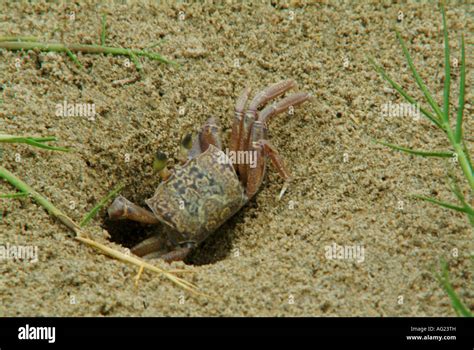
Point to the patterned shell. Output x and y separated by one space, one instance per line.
199 197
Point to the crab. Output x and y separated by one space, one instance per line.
195 199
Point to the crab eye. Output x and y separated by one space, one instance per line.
187 141
159 163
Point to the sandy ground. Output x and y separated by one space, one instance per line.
270 259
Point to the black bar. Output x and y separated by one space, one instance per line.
121 331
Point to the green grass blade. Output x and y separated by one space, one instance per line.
456 189
440 154
137 63
402 92
32 142
81 236
418 79
25 188
103 31
447 68
467 210
74 58
88 49
89 216
460 196
18 38
41 145
44 139
458 306
462 83
152 46
466 152
14 195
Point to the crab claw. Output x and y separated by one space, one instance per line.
122 208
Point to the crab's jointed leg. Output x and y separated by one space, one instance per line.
263 148
176 255
236 132
155 246
209 135
257 142
283 105
151 247
269 93
247 121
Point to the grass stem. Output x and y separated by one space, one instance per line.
458 306
92 49
462 83
81 236
18 38
52 210
447 69
103 31
455 137
32 141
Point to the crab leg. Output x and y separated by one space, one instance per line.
290 101
257 143
155 247
122 208
176 255
236 131
246 123
209 135
256 173
151 245
270 93
278 163
265 149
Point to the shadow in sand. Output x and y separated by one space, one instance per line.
216 247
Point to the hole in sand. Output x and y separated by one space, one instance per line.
126 233
216 247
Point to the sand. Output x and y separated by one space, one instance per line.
271 258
